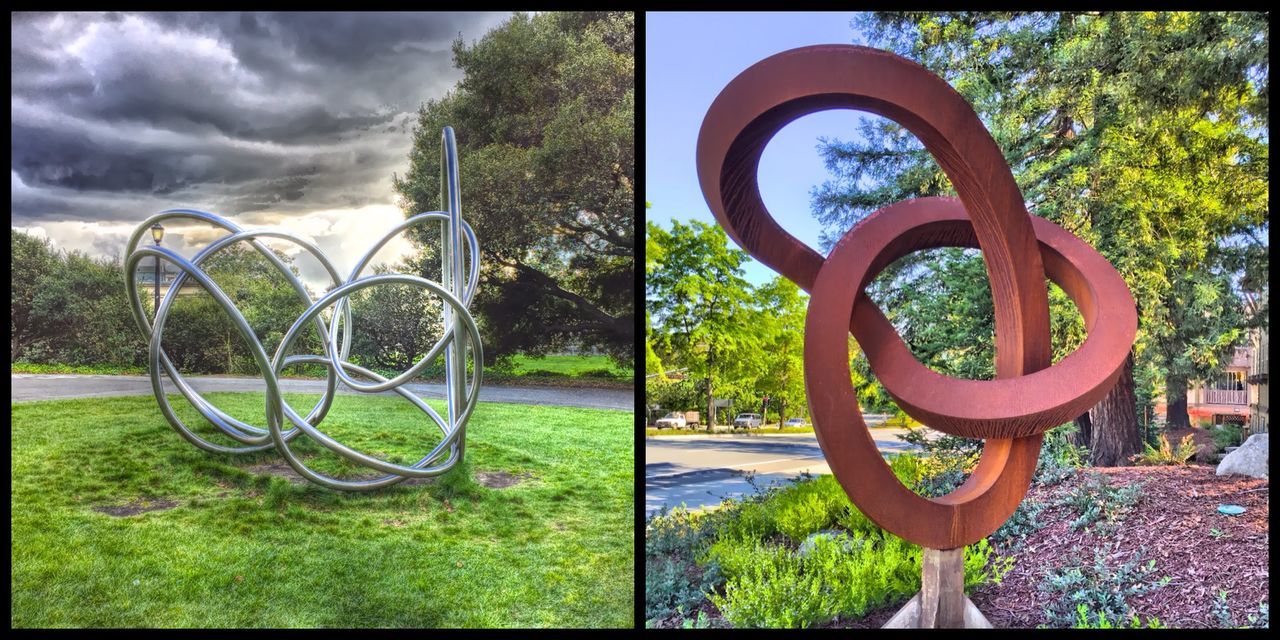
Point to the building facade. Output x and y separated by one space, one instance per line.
1223 399
1258 383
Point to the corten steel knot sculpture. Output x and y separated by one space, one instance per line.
1028 395
459 335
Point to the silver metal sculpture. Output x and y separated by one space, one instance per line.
456 288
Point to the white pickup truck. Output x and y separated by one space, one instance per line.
678 420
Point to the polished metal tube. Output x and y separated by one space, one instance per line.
460 334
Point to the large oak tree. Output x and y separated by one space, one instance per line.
544 118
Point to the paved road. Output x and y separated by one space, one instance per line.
56 386
700 471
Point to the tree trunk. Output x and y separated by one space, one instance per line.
1175 393
1116 433
711 407
1084 431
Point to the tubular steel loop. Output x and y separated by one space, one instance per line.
1028 395
460 334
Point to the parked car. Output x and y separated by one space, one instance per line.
747 421
795 422
875 419
678 420
673 420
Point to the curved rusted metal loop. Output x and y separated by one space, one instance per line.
1027 397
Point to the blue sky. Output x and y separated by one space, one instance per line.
689 58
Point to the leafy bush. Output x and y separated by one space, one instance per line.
678 531
772 587
1087 619
1097 592
669 588
673 581
1060 457
1166 454
1222 611
1228 435
1024 521
1094 500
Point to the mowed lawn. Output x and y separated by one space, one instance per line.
569 366
232 541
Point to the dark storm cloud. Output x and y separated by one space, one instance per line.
118 115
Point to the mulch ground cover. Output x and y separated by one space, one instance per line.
1174 522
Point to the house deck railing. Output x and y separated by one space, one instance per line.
1220 396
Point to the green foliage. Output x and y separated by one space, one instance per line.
768 584
668 588
1143 133
1165 453
1222 613
1086 619
85 369
1096 502
1228 435
1082 595
699 304
545 122
68 308
946 462
843 576
1024 522
1059 457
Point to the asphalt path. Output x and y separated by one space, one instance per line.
700 471
25 387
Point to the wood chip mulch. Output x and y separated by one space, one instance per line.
1174 522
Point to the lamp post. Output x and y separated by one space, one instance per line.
157 232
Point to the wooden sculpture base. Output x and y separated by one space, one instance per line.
941 603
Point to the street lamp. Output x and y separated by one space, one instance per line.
157 232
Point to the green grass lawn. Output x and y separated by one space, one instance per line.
245 548
568 366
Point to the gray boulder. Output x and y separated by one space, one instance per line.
1250 459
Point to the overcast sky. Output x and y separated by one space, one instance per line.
292 119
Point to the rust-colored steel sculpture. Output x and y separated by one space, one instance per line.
1028 395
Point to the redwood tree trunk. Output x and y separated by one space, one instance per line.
1175 391
1084 431
1116 432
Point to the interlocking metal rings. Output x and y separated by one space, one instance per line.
459 334
1028 395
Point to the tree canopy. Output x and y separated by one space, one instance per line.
544 118
1143 133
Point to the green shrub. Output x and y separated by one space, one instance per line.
1095 501
807 507
603 374
679 531
1228 435
1166 454
1087 619
773 587
1024 521
1059 457
1100 590
669 588
673 581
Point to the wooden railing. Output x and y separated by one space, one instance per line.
1220 396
